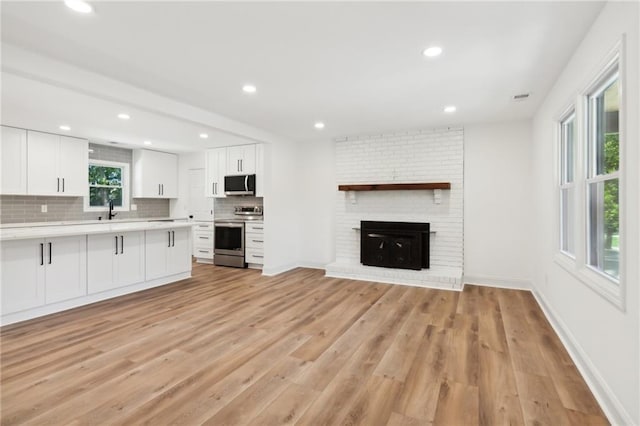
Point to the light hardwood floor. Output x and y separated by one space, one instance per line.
230 347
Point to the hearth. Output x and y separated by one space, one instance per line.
402 245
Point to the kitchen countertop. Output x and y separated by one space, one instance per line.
101 227
88 222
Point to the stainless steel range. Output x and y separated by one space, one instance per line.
228 246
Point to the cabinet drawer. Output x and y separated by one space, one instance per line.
203 226
201 238
254 227
203 253
254 256
254 241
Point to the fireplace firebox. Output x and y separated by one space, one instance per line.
401 245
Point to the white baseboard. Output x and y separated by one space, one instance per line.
612 407
510 283
269 271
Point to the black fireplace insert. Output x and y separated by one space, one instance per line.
402 245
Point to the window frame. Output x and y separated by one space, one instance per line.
563 182
613 291
125 187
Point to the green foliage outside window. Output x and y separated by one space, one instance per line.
105 184
611 189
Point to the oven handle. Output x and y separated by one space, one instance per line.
229 225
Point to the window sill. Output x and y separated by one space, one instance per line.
599 283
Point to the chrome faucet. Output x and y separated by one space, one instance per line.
111 213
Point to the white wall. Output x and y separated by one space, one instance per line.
497 204
282 209
317 203
603 338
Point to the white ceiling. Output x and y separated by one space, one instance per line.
356 66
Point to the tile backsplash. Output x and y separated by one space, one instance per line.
27 208
224 207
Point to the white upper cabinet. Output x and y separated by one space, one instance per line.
13 161
56 165
155 174
216 169
241 160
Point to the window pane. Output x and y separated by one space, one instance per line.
567 239
604 227
102 175
99 197
605 112
566 151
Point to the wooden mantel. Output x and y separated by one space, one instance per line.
395 186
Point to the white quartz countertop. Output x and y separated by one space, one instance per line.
88 222
99 227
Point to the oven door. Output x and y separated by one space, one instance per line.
229 238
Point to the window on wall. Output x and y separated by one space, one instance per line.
108 182
567 184
603 180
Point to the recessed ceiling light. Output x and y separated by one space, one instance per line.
204 135
450 108
65 127
79 6
319 125
432 52
249 88
147 142
123 116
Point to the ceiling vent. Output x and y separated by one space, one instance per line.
521 96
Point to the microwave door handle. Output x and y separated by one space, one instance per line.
246 183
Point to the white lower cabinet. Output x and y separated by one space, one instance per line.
168 252
254 243
115 260
36 272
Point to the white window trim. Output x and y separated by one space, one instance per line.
607 287
570 113
125 187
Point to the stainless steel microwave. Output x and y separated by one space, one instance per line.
240 185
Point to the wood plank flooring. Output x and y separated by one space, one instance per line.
230 347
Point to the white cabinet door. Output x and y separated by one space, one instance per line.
65 268
42 164
56 165
73 166
156 246
216 169
23 275
179 254
155 174
101 269
241 160
13 161
130 258
259 170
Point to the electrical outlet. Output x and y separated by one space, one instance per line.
134 207
43 208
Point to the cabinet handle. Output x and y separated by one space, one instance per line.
49 253
173 234
258 227
163 189
204 238
169 234
213 188
62 184
116 245
121 244
238 165
257 255
158 189
58 190
258 241
203 251
41 254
